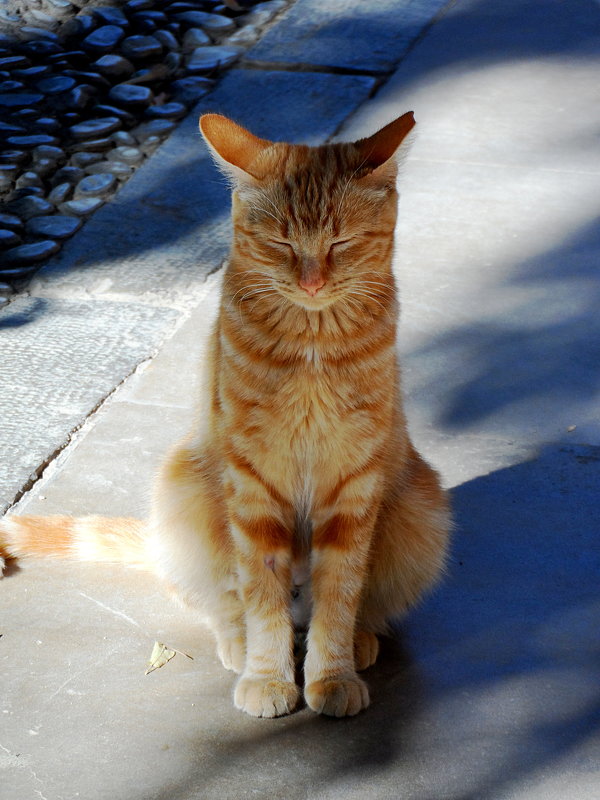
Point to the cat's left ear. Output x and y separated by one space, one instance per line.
380 151
236 150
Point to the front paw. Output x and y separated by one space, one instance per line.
342 696
265 697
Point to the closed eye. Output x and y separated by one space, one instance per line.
340 243
281 244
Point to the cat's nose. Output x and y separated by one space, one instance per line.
311 284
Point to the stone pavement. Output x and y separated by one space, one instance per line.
490 689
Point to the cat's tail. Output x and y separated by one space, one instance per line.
108 539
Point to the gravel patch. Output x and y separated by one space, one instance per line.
87 93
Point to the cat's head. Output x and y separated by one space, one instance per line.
314 224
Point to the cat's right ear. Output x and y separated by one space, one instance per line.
236 151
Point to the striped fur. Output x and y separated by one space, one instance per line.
298 477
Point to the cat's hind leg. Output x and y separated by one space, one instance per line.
409 546
192 547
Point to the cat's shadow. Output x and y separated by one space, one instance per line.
492 679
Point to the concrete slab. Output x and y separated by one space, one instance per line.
346 34
60 359
177 206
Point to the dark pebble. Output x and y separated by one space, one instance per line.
9 170
112 111
181 5
188 90
81 207
77 27
158 17
28 179
171 110
128 95
9 238
55 84
27 191
20 99
193 38
80 97
155 127
141 47
103 39
70 175
31 73
173 62
32 140
126 155
144 27
29 253
60 193
29 32
47 124
48 151
94 128
167 39
207 59
56 226
25 115
114 66
14 62
29 206
17 272
209 22
91 78
10 221
44 166
108 15
138 5
96 186
93 145
12 156
8 129
70 117
76 58
83 160
39 48
11 86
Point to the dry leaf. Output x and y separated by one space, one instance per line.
161 655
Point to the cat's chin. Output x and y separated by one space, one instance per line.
312 303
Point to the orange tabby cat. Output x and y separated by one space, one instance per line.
298 497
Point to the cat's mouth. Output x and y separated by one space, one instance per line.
312 302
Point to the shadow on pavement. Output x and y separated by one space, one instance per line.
533 366
493 680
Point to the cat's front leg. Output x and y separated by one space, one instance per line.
267 687
339 563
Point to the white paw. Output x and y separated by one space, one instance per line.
266 697
342 696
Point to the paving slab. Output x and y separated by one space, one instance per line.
346 34
60 359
